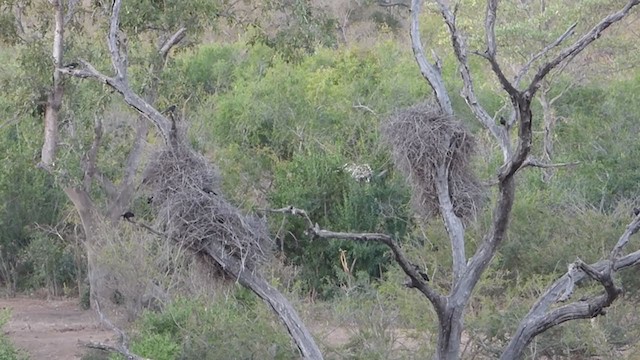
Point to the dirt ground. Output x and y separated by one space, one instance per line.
51 329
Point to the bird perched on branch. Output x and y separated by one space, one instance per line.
128 216
209 191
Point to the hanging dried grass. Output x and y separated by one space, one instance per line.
421 138
190 208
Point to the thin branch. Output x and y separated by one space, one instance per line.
539 320
468 90
172 41
580 44
490 55
158 119
417 279
385 3
569 32
123 346
532 162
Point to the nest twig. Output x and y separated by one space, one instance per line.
422 138
190 208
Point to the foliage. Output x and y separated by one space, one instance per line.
221 329
7 350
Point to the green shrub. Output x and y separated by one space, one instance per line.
220 329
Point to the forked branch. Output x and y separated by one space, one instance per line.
580 44
540 318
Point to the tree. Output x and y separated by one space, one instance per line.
185 190
438 179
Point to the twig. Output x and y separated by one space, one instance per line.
532 162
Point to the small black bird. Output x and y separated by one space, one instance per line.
72 65
503 121
424 275
209 191
170 109
128 216
636 211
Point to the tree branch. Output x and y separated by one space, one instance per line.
468 90
117 44
570 31
173 40
123 346
490 55
429 72
452 223
532 162
417 280
158 119
538 319
580 44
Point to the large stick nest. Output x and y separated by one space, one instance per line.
423 138
190 208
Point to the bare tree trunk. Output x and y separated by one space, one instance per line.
54 99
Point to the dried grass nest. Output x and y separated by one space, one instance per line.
421 138
190 209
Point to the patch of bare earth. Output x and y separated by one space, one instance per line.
52 329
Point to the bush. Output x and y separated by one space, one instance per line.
220 329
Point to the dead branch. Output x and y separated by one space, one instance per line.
532 162
540 318
430 72
123 345
579 45
525 68
468 91
417 280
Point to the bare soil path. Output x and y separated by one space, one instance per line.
51 329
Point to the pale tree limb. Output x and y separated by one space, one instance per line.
525 68
430 72
532 162
123 345
468 91
580 45
417 280
540 318
453 224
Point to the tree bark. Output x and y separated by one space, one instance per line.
274 298
54 99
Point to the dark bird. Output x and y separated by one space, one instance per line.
128 216
209 191
636 211
424 275
503 121
170 109
72 65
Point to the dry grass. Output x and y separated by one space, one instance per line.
422 138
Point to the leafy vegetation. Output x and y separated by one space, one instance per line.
281 111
